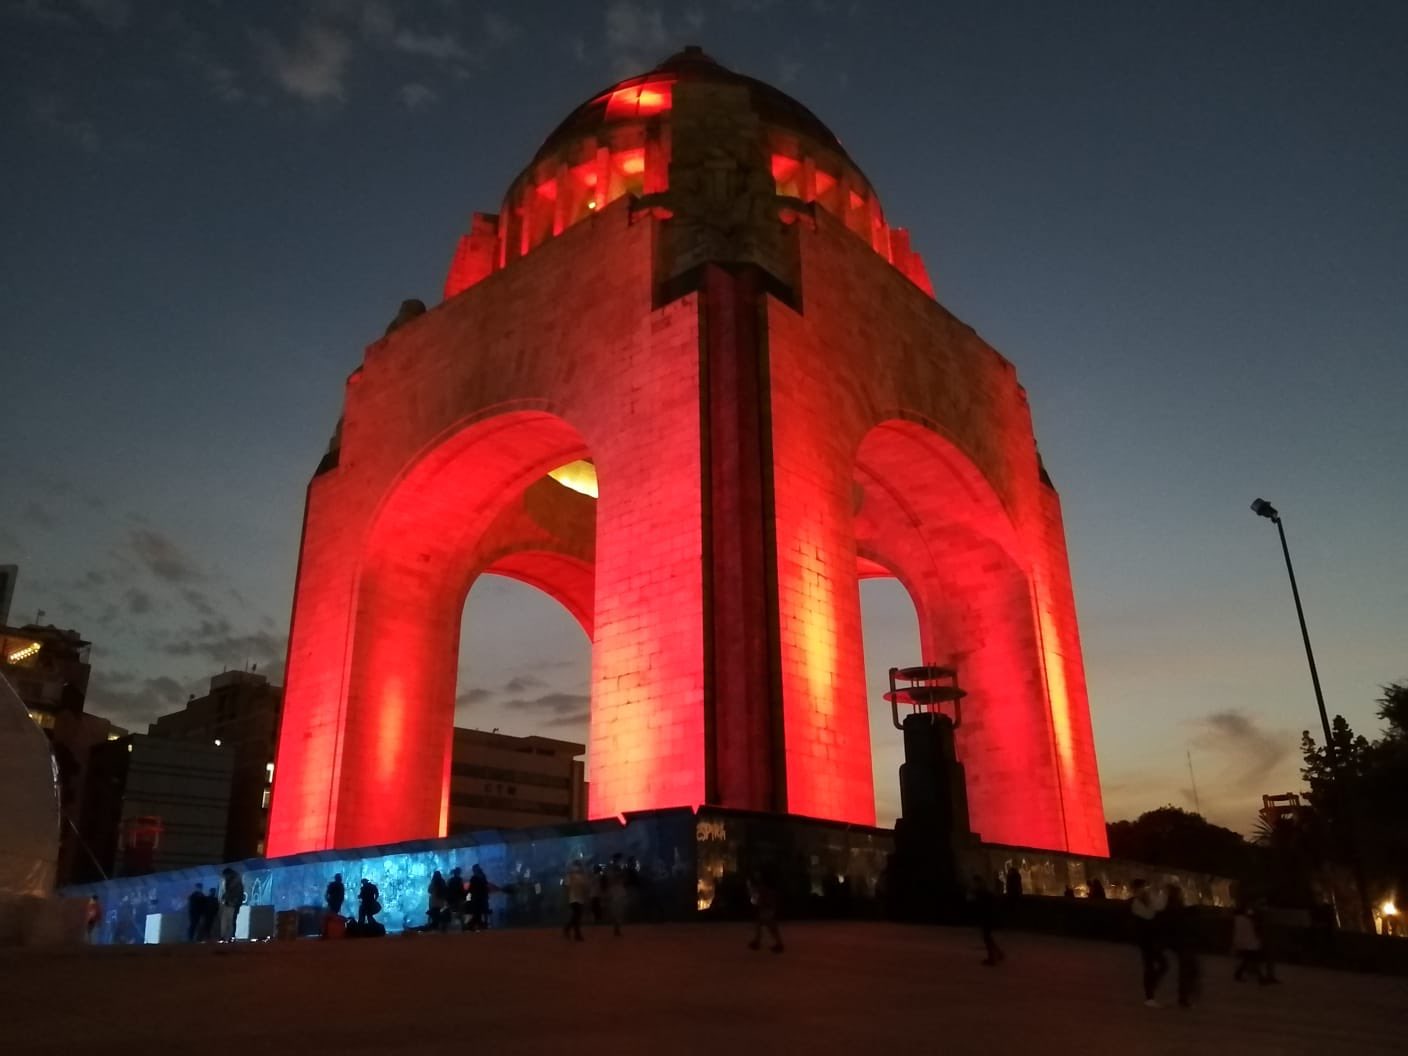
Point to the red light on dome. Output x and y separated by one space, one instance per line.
783 167
548 190
824 182
632 162
642 100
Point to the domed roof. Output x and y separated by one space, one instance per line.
649 93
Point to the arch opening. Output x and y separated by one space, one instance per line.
479 501
522 702
926 512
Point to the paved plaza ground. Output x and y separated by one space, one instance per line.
859 989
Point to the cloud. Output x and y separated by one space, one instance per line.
558 709
217 642
522 683
139 602
1249 752
498 30
110 14
198 600
47 11
147 698
472 695
417 95
440 46
162 557
635 35
314 67
52 113
39 516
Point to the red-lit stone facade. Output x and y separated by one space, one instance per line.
695 290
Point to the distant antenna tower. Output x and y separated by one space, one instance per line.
1197 803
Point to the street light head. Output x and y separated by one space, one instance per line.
1262 508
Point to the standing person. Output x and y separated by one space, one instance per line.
438 893
478 899
616 893
1178 934
231 898
1097 889
762 892
93 916
1145 907
210 913
454 899
1014 885
598 901
578 887
985 912
336 893
195 913
368 902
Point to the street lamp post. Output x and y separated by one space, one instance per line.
1262 508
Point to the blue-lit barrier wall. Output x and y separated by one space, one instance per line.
525 866
689 864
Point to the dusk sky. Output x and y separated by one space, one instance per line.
1185 223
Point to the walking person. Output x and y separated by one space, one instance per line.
478 899
1249 945
231 898
578 887
1177 932
762 892
335 895
985 913
1145 906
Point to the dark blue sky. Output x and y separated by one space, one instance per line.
1186 223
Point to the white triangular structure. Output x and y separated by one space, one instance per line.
29 803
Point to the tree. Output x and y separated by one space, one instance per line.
1360 796
1175 837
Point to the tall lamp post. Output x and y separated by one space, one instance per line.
1262 508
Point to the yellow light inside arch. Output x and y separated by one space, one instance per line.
580 476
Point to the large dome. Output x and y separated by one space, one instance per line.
650 93
690 120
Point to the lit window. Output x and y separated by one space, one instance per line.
642 100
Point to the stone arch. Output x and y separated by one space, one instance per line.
457 511
926 513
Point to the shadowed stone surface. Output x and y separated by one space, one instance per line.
843 988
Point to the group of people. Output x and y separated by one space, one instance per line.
1162 925
455 901
213 913
605 889
452 901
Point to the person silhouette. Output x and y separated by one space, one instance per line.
368 902
336 894
985 913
